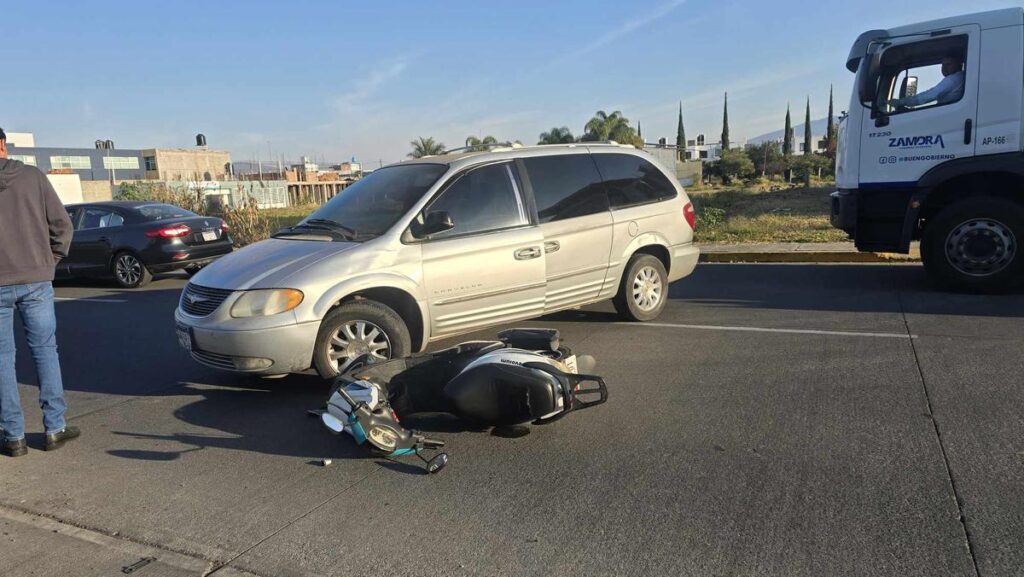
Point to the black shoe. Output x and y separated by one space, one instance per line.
56 440
16 448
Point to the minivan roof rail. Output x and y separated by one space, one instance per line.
485 147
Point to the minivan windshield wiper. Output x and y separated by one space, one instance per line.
328 224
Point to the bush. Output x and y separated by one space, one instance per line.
190 198
248 223
710 217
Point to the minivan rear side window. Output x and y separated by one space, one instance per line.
631 180
565 186
482 200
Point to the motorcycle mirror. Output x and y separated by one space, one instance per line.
333 423
437 463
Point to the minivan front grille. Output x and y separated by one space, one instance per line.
214 360
200 301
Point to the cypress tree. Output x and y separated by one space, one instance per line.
787 138
639 134
725 123
808 149
681 135
787 145
829 132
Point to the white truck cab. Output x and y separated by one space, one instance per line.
932 149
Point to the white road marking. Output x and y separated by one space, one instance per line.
90 300
767 330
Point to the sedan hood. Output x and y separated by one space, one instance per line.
266 264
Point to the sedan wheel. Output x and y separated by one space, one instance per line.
129 271
355 340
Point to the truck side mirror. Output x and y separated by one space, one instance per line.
908 87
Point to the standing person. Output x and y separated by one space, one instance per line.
35 233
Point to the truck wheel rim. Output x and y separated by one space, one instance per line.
647 289
980 247
128 269
355 339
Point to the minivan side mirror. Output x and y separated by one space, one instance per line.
435 222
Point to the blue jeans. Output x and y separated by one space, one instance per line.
35 303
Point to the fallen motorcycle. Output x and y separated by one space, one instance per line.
526 376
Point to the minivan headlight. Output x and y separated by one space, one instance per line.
265 302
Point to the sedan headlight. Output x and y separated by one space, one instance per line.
263 303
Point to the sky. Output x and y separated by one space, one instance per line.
335 80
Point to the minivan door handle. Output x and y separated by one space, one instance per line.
967 131
528 253
551 246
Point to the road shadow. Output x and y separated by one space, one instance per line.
268 416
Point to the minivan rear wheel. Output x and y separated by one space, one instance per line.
361 329
643 290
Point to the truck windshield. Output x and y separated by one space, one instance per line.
371 206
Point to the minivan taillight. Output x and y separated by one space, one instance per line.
691 216
176 231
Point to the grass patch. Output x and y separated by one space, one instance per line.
746 216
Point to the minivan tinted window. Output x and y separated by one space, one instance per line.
373 204
481 200
565 186
631 180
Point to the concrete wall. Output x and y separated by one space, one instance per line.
188 164
68 187
687 173
96 191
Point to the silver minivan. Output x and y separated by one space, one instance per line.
430 248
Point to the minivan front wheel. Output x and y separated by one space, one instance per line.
361 329
643 290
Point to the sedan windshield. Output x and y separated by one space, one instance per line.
371 206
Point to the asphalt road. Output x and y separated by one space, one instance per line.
776 420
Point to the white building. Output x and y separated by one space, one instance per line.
701 149
818 129
21 139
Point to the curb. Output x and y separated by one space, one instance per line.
807 257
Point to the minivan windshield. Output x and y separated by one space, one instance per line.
373 204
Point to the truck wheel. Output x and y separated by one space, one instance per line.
972 245
643 289
358 329
129 271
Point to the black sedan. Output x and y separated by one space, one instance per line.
132 240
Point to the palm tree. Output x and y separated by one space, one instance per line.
557 136
426 147
614 126
475 143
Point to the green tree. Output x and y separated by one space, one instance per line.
808 137
808 165
767 158
604 126
681 135
426 147
475 143
734 163
557 136
725 123
639 134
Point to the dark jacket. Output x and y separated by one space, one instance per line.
35 231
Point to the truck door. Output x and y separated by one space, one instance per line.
906 134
